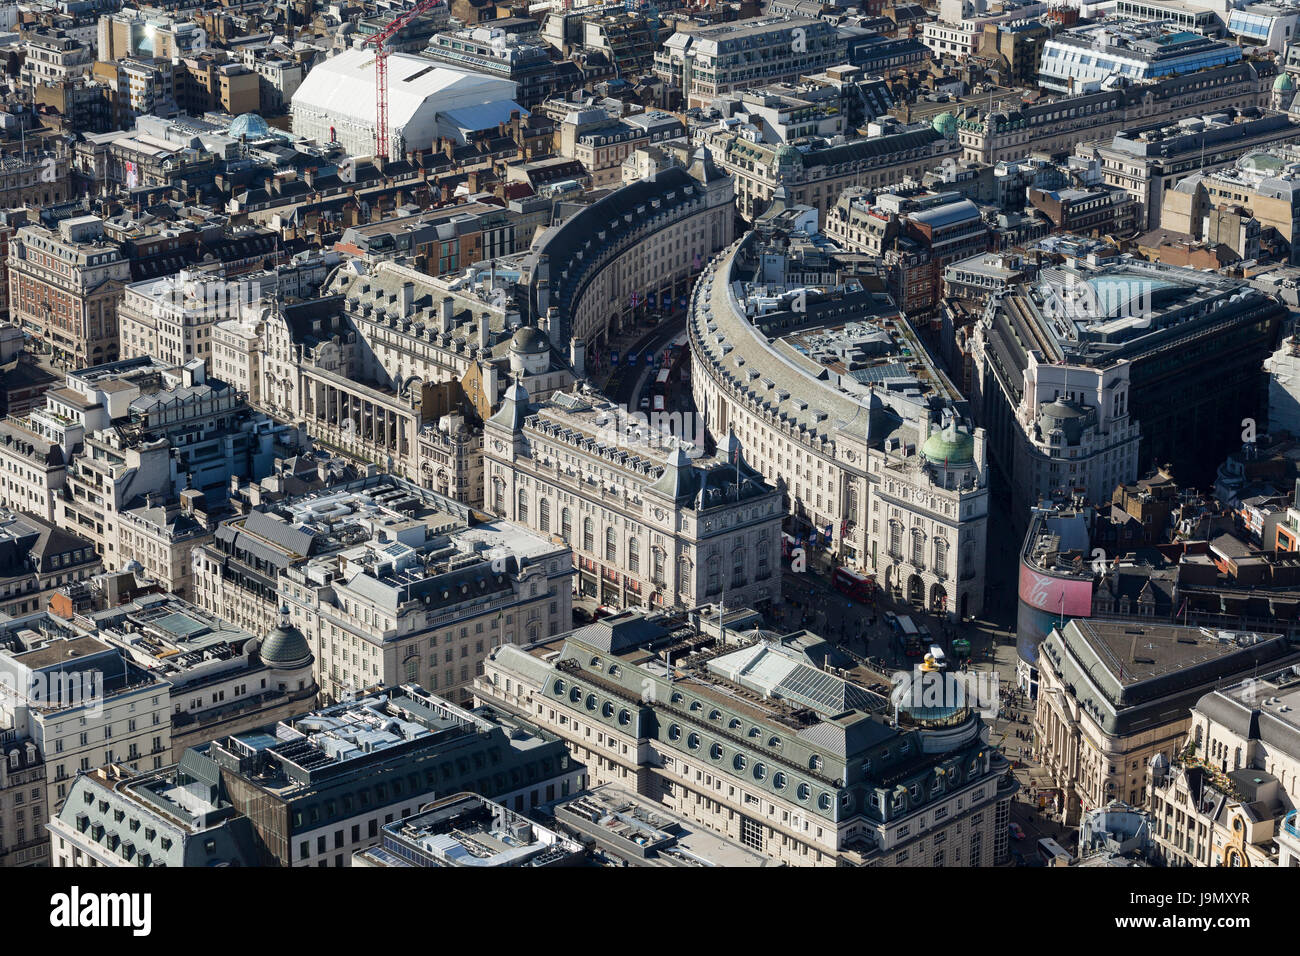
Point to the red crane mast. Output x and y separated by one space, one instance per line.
380 40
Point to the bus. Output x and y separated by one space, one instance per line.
909 640
860 587
659 390
1052 853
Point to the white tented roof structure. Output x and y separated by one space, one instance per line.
339 95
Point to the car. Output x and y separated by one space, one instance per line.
644 404
603 611
581 616
1016 832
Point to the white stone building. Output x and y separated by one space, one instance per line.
80 701
891 475
172 317
649 525
1229 797
389 583
751 738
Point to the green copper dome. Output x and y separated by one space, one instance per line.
954 448
1283 83
285 646
789 156
945 124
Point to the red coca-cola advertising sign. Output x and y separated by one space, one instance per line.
1069 597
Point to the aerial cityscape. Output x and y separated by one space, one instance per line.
646 433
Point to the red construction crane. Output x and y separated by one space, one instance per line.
380 40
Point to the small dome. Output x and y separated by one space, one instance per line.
250 125
1283 83
945 124
1062 410
789 156
285 646
1067 416
530 341
953 450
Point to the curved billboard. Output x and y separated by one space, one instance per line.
1046 601
1069 597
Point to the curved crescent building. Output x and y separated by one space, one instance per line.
836 402
645 241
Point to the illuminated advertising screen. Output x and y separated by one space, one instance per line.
1070 597
1046 602
1032 625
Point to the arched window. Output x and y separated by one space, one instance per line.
588 535
611 544
940 554
566 525
499 496
895 539
521 514
657 558
633 556
544 516
918 547
684 574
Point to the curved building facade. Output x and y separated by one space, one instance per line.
1051 587
836 402
643 243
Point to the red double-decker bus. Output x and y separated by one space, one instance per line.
860 587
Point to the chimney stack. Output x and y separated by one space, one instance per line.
543 284
491 383
553 326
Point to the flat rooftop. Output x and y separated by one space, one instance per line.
620 819
1139 652
59 651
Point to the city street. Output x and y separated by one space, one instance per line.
624 384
